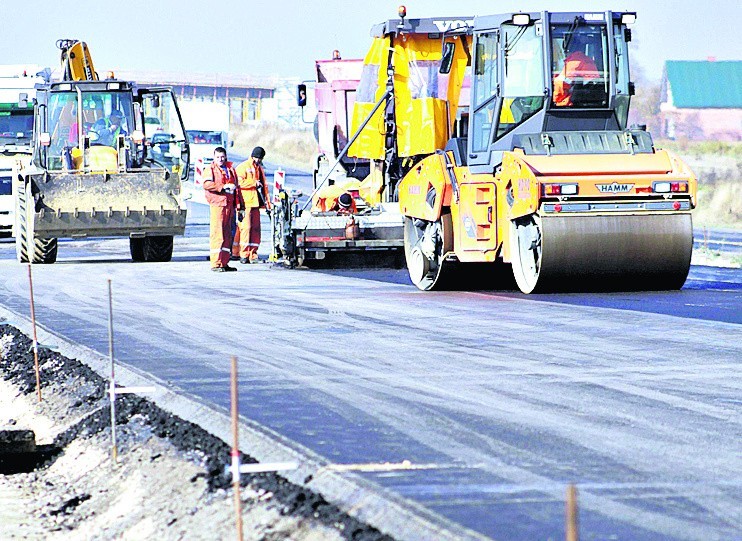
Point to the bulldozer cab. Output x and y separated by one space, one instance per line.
166 141
85 119
541 72
97 126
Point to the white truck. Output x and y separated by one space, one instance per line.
207 127
17 92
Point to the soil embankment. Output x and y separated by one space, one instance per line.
169 482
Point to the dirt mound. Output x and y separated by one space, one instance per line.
169 483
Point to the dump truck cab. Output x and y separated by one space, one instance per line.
16 128
335 87
17 92
94 173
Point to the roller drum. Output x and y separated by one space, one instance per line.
602 253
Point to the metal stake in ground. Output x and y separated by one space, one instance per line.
236 450
35 341
572 522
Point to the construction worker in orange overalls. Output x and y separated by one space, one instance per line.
254 190
576 65
224 198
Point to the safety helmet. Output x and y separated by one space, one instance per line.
258 152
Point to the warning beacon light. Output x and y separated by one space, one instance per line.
402 12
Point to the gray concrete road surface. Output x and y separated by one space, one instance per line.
478 406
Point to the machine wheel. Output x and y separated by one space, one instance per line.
426 244
45 251
158 249
21 245
418 265
27 248
526 246
136 247
21 240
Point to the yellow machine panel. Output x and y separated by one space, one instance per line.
425 101
370 142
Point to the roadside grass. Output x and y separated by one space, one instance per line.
718 166
698 149
719 204
714 258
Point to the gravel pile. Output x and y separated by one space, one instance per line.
169 482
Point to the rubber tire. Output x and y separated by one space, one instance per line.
21 241
21 249
526 261
158 249
136 248
430 280
45 251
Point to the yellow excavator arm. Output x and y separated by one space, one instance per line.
77 64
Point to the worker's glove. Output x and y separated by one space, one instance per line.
240 215
229 188
268 212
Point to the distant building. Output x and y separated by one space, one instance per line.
251 99
702 100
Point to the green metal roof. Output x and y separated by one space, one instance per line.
705 84
14 106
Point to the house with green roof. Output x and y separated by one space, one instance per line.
702 100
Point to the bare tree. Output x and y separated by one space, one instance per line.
645 104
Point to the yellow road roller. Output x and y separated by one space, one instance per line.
544 176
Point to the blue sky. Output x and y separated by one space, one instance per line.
282 37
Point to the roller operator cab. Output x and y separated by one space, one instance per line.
95 174
549 177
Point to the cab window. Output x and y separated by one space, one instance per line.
579 65
484 90
523 79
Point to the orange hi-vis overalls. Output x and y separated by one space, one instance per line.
577 64
222 206
247 237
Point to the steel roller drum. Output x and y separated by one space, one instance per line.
602 253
